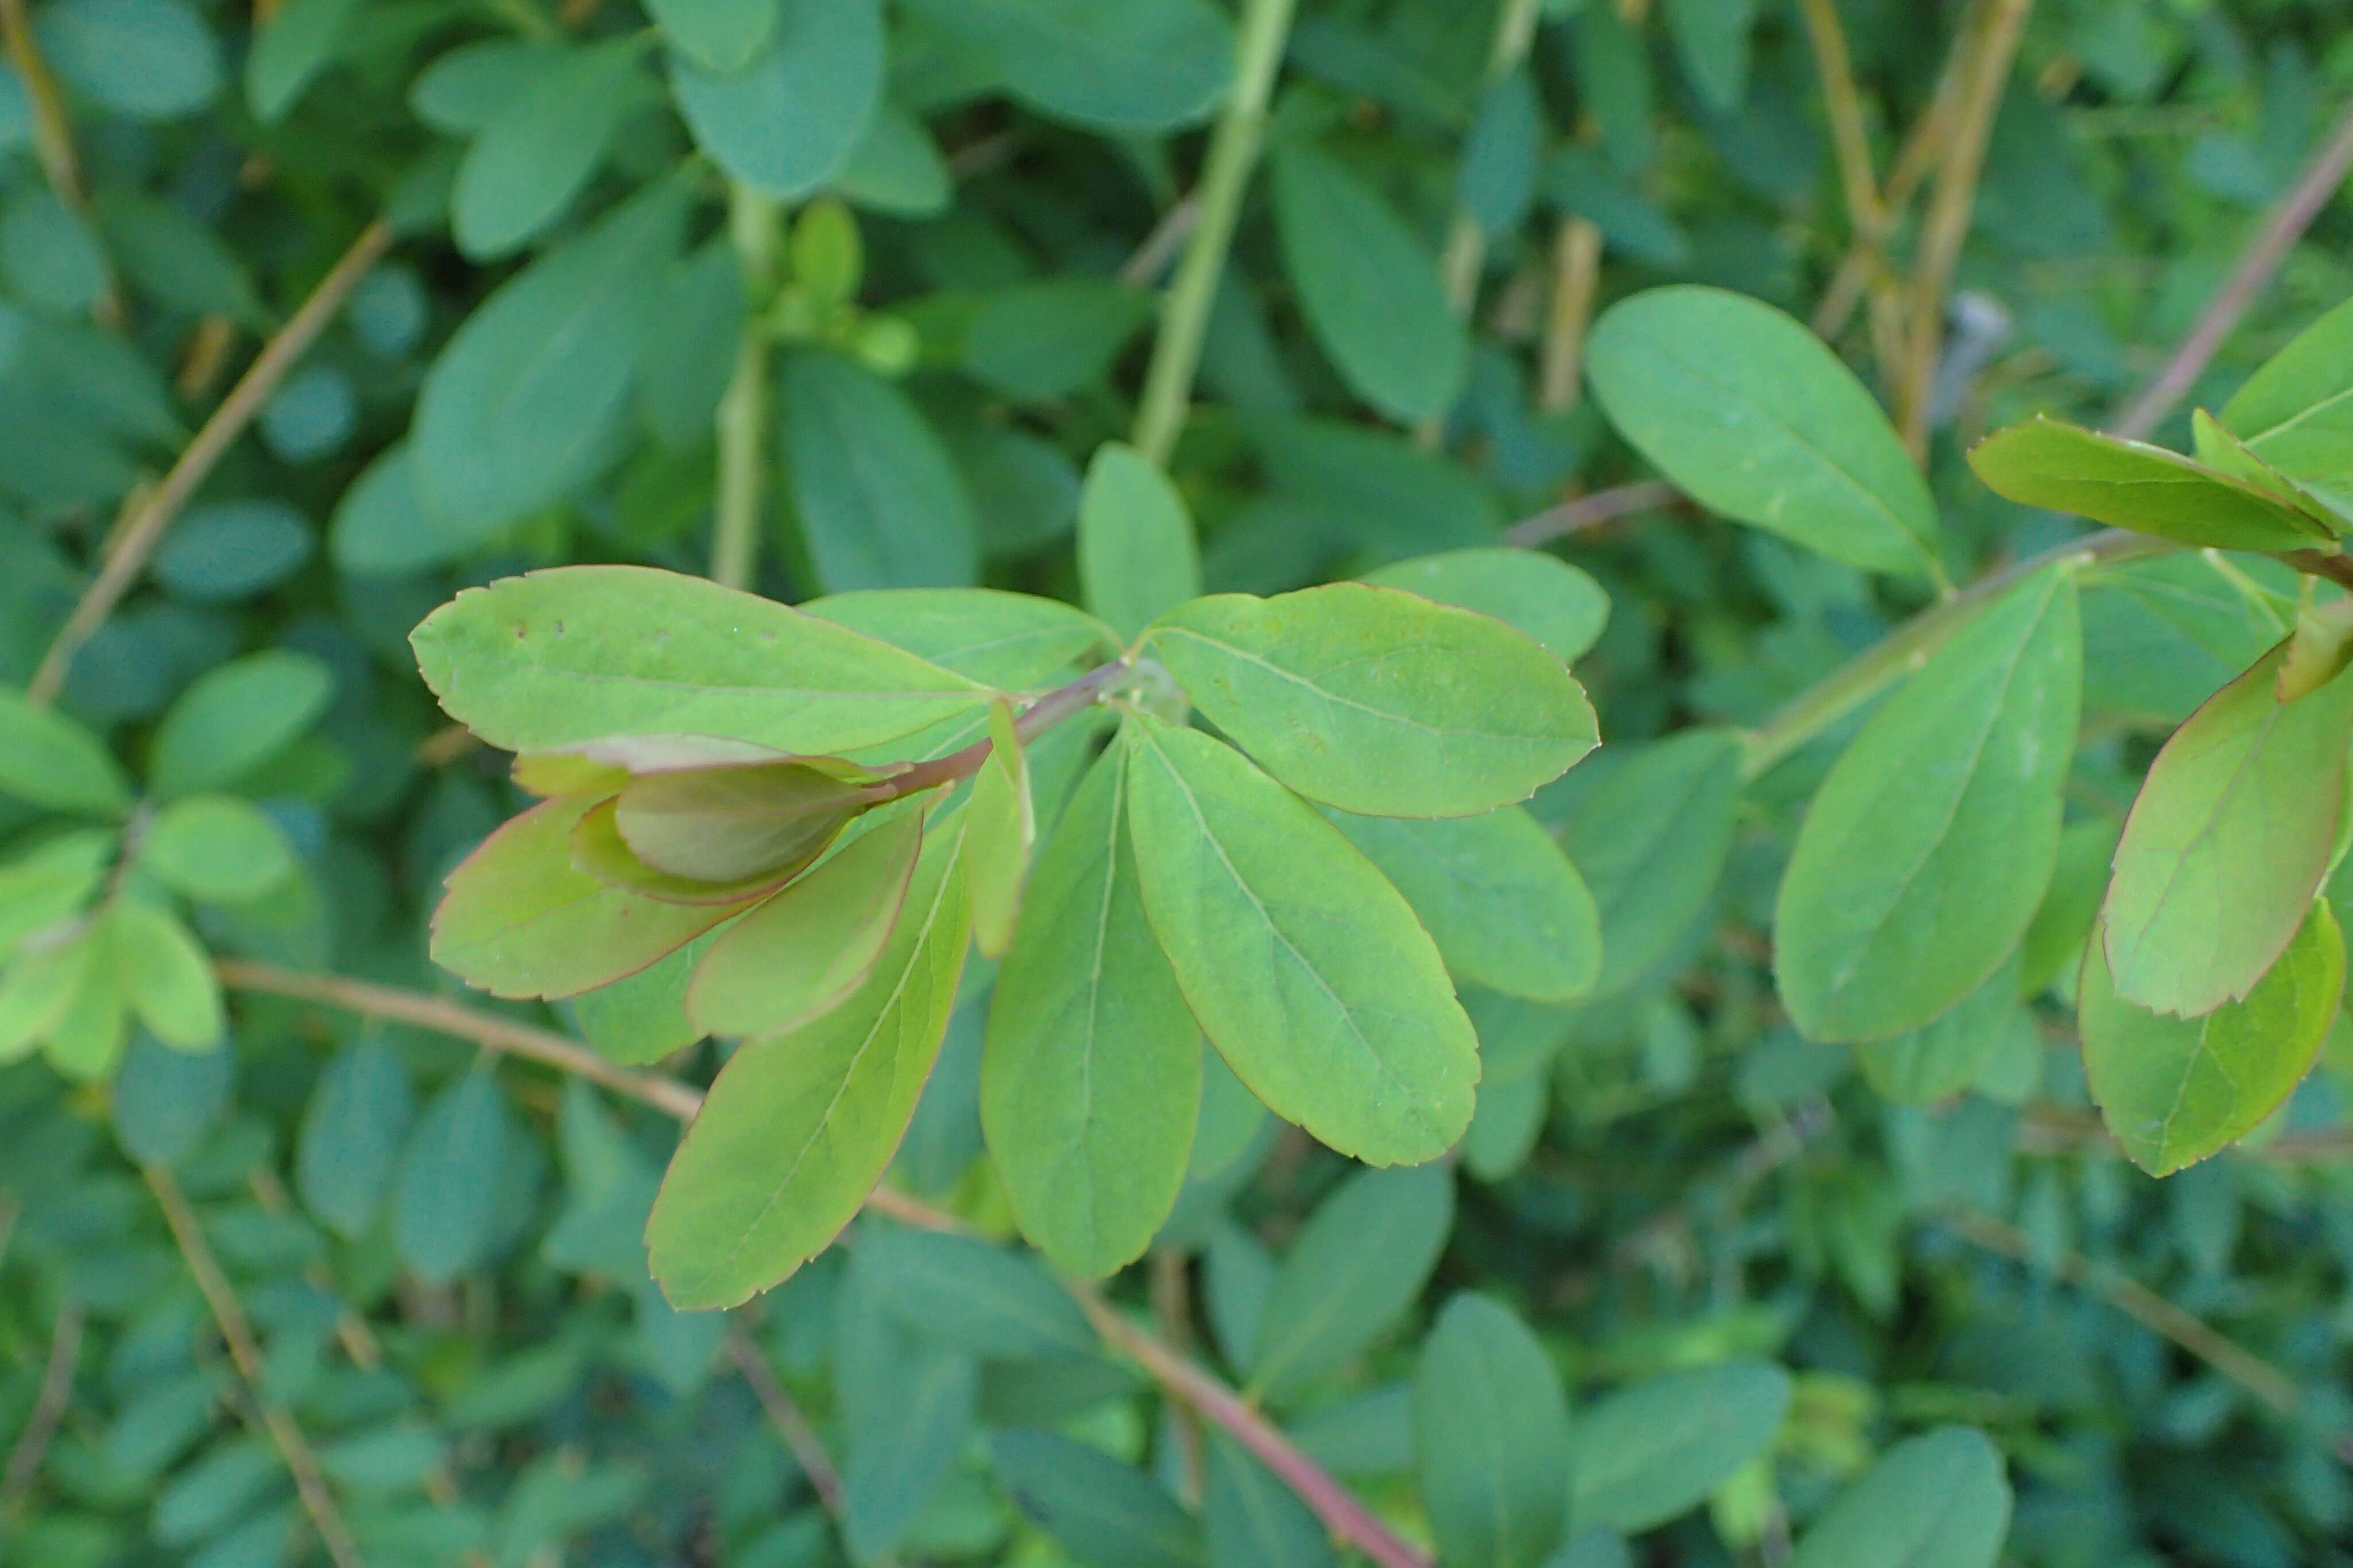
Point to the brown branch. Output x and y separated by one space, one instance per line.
237 1333
1172 1312
1576 283
1591 511
129 552
1949 208
2321 179
1849 139
786 1417
1863 262
49 1409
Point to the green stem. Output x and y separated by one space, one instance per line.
743 411
1906 647
1225 174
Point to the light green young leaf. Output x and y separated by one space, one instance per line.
2130 484
40 987
47 760
519 920
1378 701
1926 850
1506 909
1358 1263
1138 557
805 951
799 1127
2296 411
726 823
788 121
446 1203
2174 1091
522 405
167 975
719 36
216 847
289 51
2229 841
1937 1061
539 151
353 1133
1753 417
880 502
555 658
1003 830
1657 1449
52 881
1103 1514
1093 1067
1304 967
1491 1438
1013 642
1139 67
1650 834
1369 290
2219 449
1543 596
1938 1501
236 717
85 1036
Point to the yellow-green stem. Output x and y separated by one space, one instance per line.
743 422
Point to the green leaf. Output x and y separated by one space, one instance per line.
462 89
50 254
1369 290
1650 1452
1510 1119
233 550
50 760
446 1205
51 882
1539 594
39 988
1092 1070
896 168
1041 341
165 1101
2233 832
352 1136
719 36
1011 641
805 951
1359 1262
1938 1501
1752 415
1926 850
1138 557
2295 412
2053 944
787 122
1007 1307
2130 484
1938 1060
1103 1514
555 658
519 920
1003 829
216 847
521 406
799 1127
1491 1438
1712 38
1252 1521
539 151
642 1019
179 260
880 502
599 851
1650 832
1377 701
1139 67
237 717
1506 909
2174 1091
1496 179
1304 967
143 59
289 51
723 823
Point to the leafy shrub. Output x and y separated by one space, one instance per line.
1145 979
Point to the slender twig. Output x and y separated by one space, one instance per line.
1175 225
455 1018
1576 283
792 1424
128 555
32 1444
1591 511
2145 1307
245 1352
1849 138
52 130
742 417
2322 178
1225 174
1347 1518
1949 208
1915 161
1171 1311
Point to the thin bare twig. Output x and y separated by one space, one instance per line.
1591 511
245 1352
792 1424
1160 247
1172 1312
2322 178
1863 263
128 553
32 1444
1576 283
